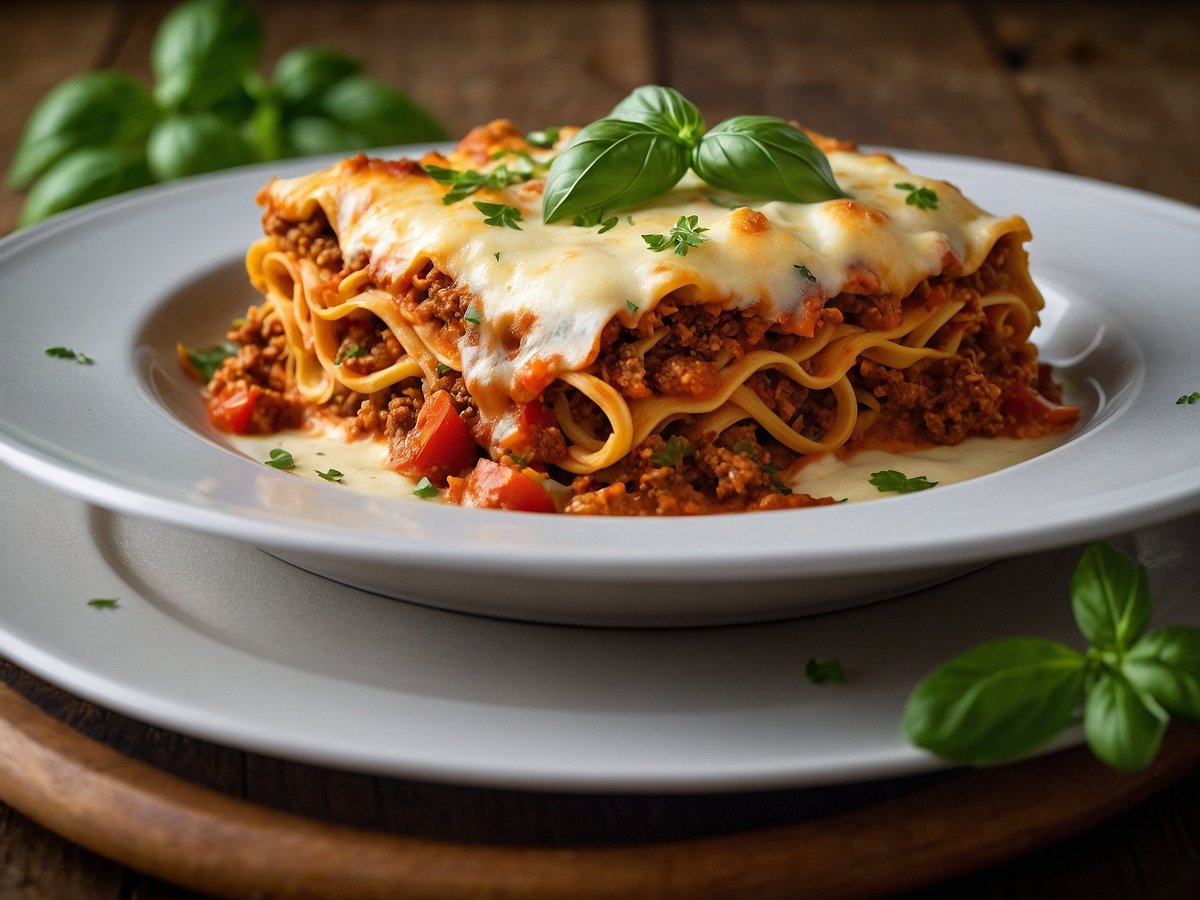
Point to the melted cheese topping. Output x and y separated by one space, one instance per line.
545 292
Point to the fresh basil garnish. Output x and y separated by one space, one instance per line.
762 156
664 108
612 163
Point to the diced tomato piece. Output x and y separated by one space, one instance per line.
536 415
439 445
497 486
233 409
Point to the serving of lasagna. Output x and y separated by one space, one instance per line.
685 354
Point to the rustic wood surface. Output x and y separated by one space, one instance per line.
1104 90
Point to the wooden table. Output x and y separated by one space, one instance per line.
1106 90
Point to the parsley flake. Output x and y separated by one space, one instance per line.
675 450
682 237
632 307
443 369
545 138
353 351
825 671
804 270
332 475
519 460
500 215
67 353
594 218
472 315
497 255
777 484
425 489
208 360
103 602
1189 399
280 459
891 480
920 197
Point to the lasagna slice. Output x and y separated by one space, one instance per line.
681 356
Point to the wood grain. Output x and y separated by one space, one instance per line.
202 839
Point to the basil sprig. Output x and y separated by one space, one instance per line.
1006 698
652 137
103 133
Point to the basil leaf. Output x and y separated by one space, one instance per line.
762 156
383 115
308 135
1110 596
1166 665
192 143
1123 727
202 51
662 107
263 132
105 109
999 700
206 360
84 175
610 164
304 74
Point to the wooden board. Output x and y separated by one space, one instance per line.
206 840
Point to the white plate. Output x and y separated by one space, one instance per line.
217 640
124 280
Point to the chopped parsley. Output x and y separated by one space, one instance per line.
464 182
497 255
824 671
745 448
891 480
518 460
280 459
1189 399
803 270
594 218
472 315
209 359
443 369
546 137
332 475
354 351
675 450
103 602
501 215
683 236
425 489
632 307
67 353
920 197
776 483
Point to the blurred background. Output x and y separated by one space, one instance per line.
1103 89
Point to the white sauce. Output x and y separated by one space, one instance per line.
362 463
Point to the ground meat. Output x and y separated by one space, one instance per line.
260 362
312 239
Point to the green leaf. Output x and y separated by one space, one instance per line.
67 353
202 51
425 489
207 360
898 482
825 671
610 164
545 138
383 115
1166 665
191 143
499 215
664 108
1124 728
99 109
1110 597
684 235
920 197
675 450
83 175
332 475
103 602
281 459
304 74
762 156
264 131
997 701
310 135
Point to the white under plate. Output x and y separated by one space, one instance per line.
124 280
215 639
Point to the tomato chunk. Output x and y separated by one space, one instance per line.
439 445
1027 405
233 408
497 486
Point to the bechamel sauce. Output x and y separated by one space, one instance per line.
362 463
